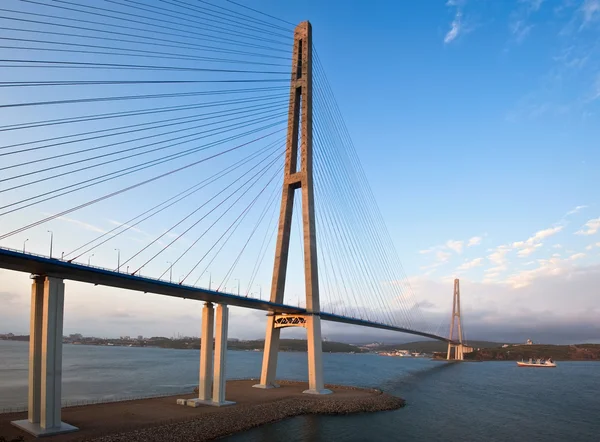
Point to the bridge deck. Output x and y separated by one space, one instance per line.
36 264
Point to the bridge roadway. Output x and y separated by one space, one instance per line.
11 259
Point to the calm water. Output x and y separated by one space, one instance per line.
491 401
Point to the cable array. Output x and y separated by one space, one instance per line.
360 272
155 130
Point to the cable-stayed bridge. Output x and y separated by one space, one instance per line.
209 139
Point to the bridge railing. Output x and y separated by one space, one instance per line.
106 269
328 315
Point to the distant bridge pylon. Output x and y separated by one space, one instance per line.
456 341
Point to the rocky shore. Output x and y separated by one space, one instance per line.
244 417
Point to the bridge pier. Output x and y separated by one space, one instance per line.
206 352
312 324
458 352
212 376
269 365
45 359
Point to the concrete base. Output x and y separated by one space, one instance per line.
266 387
323 391
37 431
194 403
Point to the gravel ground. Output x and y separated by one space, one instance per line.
244 417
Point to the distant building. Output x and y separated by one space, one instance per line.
76 337
506 345
125 338
140 338
529 342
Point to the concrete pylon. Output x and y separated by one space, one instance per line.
45 359
456 323
299 136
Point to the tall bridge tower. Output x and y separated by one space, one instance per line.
297 176
455 323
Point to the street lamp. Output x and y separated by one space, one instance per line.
118 260
170 271
89 258
24 244
260 291
51 241
236 279
209 279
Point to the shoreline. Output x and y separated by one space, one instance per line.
158 419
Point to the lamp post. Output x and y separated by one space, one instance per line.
51 241
236 279
260 291
170 271
209 279
118 260
24 244
89 258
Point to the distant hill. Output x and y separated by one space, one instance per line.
294 345
579 352
434 346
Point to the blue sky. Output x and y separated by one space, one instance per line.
473 118
477 126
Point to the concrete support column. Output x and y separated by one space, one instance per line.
35 349
315 356
45 359
206 352
219 383
449 351
269 365
51 369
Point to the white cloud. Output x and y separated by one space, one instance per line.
474 241
442 256
577 256
575 210
423 252
520 30
532 243
128 226
499 256
557 246
590 10
470 264
85 225
524 278
528 250
533 5
455 27
591 227
544 234
457 246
